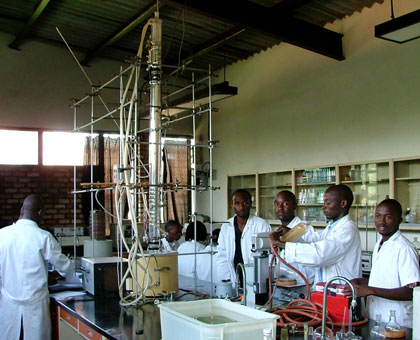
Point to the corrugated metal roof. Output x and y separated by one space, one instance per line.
87 23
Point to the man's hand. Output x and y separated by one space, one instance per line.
282 230
274 239
361 290
53 277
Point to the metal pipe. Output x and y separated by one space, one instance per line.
244 281
324 303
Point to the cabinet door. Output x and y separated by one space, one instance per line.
269 184
407 188
247 182
311 185
370 185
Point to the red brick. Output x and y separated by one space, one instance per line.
33 174
64 221
10 179
24 180
11 190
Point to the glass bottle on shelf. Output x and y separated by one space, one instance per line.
356 173
393 329
351 173
378 331
407 215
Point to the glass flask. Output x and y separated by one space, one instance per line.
378 331
393 329
328 333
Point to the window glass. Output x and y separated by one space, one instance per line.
19 147
63 148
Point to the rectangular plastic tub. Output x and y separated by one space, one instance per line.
178 321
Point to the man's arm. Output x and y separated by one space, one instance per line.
400 294
53 254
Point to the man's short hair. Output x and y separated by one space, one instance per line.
242 191
344 193
393 203
170 224
201 232
290 195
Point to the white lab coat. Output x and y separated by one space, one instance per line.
25 251
187 263
307 271
226 248
395 265
168 246
336 251
207 263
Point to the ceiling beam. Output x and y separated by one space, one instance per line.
123 30
288 5
281 26
34 17
207 46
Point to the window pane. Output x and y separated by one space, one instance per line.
19 147
63 148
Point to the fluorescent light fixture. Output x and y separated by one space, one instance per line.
218 92
400 30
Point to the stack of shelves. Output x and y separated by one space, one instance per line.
371 182
247 182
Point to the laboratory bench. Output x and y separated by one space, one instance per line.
88 317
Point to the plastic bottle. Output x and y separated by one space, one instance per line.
378 331
267 334
393 329
416 244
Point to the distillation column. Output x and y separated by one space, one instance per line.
155 154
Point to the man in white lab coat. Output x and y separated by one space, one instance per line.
395 268
173 234
195 236
285 207
235 236
25 250
334 251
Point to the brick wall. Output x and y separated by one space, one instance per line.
53 183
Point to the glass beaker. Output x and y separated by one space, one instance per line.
378 331
393 329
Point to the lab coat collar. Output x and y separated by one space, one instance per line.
341 220
26 221
393 237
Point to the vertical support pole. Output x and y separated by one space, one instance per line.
211 174
92 226
74 193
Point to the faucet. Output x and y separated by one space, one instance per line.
244 281
324 303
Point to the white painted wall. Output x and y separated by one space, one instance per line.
296 108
